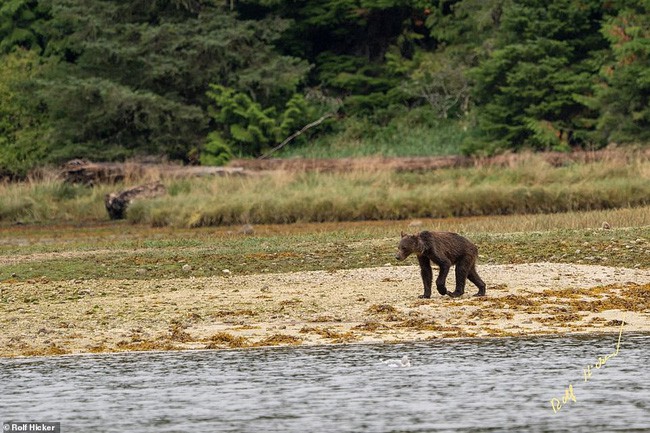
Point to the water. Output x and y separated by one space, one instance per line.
472 385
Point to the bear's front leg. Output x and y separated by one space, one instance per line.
427 275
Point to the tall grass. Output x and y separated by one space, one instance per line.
414 133
527 186
48 199
530 187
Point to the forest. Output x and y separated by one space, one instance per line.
203 81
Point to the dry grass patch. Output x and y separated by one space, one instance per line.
279 340
224 339
382 309
515 302
492 332
484 314
370 326
420 324
50 350
234 313
146 346
330 334
625 297
177 333
389 313
560 318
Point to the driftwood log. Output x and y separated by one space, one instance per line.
117 202
90 173
94 173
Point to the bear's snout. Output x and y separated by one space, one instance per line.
398 256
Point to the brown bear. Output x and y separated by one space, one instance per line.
444 249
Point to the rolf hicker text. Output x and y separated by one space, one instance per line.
49 427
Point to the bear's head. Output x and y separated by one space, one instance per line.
408 245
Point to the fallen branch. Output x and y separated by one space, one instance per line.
296 134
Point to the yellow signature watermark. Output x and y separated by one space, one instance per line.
569 394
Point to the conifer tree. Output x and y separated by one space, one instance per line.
547 53
21 24
132 77
624 96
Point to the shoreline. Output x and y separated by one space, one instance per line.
368 305
586 334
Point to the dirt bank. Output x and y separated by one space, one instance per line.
362 305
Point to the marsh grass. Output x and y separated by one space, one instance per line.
415 133
47 198
523 185
531 186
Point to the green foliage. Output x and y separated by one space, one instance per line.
21 145
21 24
465 25
369 85
348 42
130 77
526 90
408 132
293 116
247 127
624 97
111 79
360 28
437 80
216 151
105 120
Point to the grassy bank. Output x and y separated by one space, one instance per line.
414 133
528 186
123 250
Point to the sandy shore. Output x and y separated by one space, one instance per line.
362 305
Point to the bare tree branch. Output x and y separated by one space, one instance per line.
296 134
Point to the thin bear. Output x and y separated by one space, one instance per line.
445 250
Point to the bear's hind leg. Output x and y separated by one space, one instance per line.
461 276
478 282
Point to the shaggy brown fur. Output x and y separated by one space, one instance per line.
444 249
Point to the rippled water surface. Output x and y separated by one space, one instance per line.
473 385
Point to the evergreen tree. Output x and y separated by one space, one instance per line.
247 127
21 24
547 53
132 76
624 96
21 144
466 27
348 41
109 79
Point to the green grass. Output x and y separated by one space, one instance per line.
126 251
529 186
414 133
